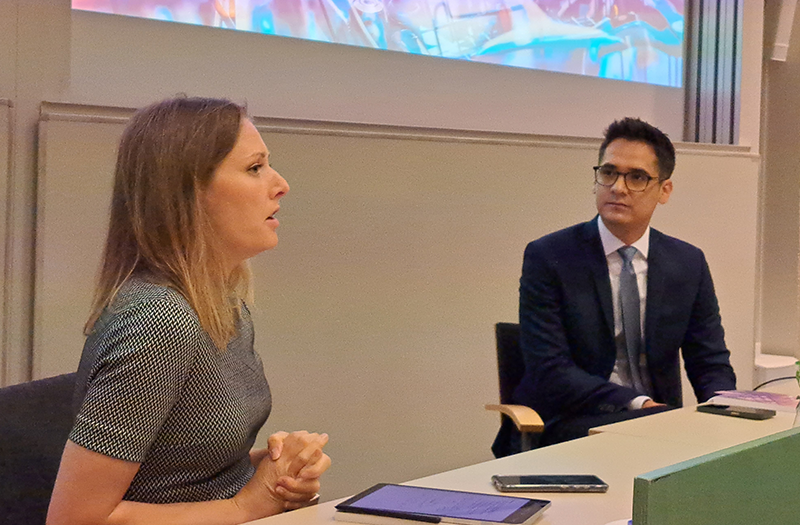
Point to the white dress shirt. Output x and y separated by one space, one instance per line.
621 374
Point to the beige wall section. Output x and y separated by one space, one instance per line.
399 250
74 186
33 67
781 197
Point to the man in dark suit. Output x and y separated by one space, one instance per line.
606 305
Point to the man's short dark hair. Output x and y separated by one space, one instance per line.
638 130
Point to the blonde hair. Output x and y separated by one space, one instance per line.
158 229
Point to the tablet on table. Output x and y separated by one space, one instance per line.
387 504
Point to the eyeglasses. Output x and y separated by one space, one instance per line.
635 180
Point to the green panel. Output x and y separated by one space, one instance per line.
750 484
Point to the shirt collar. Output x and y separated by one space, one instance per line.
611 243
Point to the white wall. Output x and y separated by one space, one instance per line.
781 198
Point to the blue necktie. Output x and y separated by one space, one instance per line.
631 324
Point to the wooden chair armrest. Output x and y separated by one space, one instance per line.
525 418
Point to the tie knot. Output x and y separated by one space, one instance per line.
627 253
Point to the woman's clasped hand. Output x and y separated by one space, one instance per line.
287 473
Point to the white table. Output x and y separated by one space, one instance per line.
687 425
617 454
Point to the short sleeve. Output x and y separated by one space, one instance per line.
140 358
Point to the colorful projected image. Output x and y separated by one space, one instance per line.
637 40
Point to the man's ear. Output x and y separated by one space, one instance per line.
665 191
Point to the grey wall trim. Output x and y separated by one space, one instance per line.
91 113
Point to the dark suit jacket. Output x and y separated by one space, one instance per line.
567 325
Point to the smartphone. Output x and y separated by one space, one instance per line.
549 483
730 410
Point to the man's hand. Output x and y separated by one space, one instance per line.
650 404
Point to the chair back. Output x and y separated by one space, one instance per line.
35 420
510 366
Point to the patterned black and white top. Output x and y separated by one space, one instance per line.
154 389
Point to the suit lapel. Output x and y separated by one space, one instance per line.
655 286
596 259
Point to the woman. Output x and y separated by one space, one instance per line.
172 393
